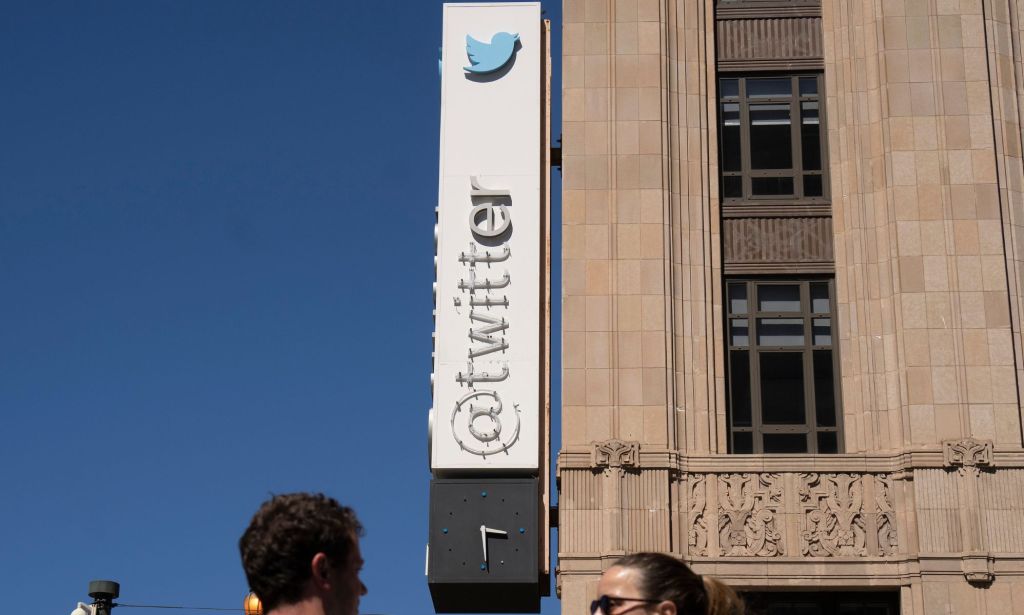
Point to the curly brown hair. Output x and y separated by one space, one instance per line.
284 535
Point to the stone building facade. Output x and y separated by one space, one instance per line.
793 273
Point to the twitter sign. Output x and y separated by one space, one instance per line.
489 447
490 389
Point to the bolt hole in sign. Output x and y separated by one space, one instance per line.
488 324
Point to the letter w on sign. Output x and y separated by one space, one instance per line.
484 335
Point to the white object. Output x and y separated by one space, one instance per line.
484 531
84 609
487 369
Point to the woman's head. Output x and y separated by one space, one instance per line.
658 584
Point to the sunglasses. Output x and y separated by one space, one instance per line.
606 602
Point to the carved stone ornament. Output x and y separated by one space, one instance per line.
837 520
616 454
697 535
747 509
977 568
969 456
886 520
834 520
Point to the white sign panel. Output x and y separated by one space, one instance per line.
487 365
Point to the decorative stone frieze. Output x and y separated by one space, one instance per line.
969 456
833 517
697 534
747 509
824 515
838 518
886 519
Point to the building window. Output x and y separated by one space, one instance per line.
771 137
823 603
783 372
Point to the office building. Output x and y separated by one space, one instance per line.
793 266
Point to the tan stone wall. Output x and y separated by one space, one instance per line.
927 349
616 241
636 229
923 115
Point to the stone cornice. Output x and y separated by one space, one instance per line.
753 571
580 457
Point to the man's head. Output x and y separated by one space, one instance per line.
303 546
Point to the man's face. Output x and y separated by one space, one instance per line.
346 586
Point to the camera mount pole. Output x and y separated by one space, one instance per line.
103 594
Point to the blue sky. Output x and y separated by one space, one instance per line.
215 265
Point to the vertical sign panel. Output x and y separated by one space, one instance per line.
488 333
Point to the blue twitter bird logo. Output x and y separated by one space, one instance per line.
489 57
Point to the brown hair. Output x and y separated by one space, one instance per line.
284 535
663 577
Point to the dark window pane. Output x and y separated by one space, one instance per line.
738 298
819 297
731 137
765 88
778 298
812 185
732 187
824 389
780 331
729 87
786 443
827 443
770 137
794 608
810 134
771 186
742 442
740 332
739 387
782 388
822 602
808 86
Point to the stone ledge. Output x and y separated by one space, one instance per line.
579 457
755 572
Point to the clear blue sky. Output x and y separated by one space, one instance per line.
215 266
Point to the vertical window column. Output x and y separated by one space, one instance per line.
782 393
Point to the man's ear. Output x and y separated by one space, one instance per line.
320 570
666 607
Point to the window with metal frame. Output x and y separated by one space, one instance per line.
771 139
783 369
